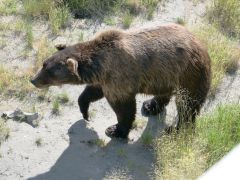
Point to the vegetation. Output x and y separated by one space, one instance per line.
225 14
57 14
100 8
127 20
220 131
29 34
222 50
62 98
8 7
38 142
147 138
55 107
12 84
97 142
187 155
4 131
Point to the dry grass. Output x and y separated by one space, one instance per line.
4 131
223 52
44 50
12 84
225 14
179 156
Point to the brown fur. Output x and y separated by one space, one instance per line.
158 61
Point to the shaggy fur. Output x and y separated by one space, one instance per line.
118 65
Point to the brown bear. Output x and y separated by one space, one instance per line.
117 65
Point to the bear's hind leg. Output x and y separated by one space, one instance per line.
155 105
90 94
188 108
125 112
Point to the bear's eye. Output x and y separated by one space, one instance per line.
44 65
59 67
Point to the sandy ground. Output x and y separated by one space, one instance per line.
65 151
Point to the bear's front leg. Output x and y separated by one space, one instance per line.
125 111
90 94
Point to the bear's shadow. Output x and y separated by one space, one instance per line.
82 160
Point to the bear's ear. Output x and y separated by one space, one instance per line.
60 46
72 65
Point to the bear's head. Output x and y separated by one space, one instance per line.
61 68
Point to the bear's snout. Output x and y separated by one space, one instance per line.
33 82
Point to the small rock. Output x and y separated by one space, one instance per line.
19 115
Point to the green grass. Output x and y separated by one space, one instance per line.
29 34
4 131
225 14
181 21
55 107
44 50
39 142
57 101
109 21
127 20
58 18
54 11
3 43
35 8
15 84
8 7
220 131
81 37
187 155
139 123
97 142
222 50
62 98
147 139
150 6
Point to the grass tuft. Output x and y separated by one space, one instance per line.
127 20
147 139
39 142
29 34
225 14
62 98
4 130
55 107
97 142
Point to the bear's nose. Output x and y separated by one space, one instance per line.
33 81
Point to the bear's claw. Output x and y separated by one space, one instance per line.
149 108
115 131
